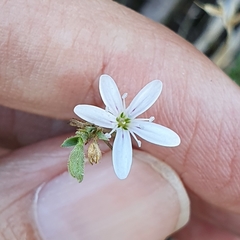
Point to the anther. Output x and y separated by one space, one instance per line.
124 95
151 119
107 135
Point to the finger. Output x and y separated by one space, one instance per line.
219 217
19 128
4 151
54 62
42 201
198 100
198 230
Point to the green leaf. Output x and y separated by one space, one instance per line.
71 141
102 136
76 162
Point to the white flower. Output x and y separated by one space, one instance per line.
123 120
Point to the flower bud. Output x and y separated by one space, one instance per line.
94 153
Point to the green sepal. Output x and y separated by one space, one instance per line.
76 162
90 129
71 141
84 136
102 136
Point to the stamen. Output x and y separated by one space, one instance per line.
151 119
124 95
108 135
123 98
138 142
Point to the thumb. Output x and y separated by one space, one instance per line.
151 203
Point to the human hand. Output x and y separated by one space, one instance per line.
52 55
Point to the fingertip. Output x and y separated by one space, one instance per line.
145 203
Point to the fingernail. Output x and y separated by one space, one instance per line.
146 205
171 176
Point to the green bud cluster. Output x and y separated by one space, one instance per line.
85 133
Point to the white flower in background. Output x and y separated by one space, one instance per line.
123 120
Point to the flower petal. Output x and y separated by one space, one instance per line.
110 94
155 133
145 98
95 115
122 153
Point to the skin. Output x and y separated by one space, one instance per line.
51 56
